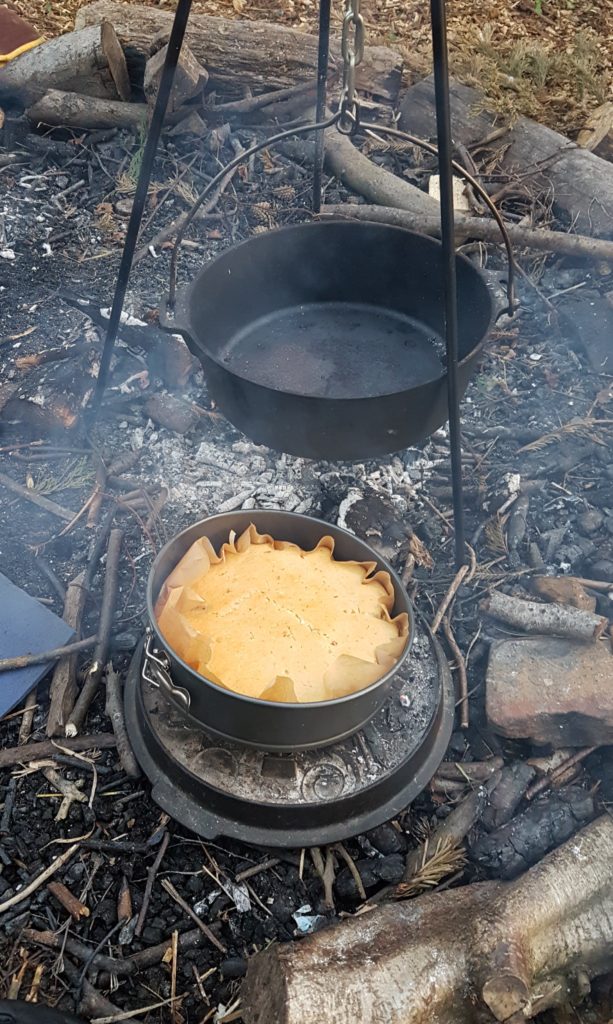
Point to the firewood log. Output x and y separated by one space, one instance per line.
72 110
242 53
448 958
579 183
90 61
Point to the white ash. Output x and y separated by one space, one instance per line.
219 475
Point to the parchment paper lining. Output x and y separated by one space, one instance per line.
180 606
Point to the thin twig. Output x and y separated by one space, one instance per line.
153 870
114 710
36 499
24 660
175 226
40 879
257 869
448 598
548 780
29 708
173 976
461 669
47 748
349 861
170 889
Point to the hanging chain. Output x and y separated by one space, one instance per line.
352 50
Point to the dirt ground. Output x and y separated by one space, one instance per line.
548 59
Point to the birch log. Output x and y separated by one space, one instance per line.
455 957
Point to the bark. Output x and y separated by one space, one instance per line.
515 947
90 61
243 53
483 229
73 110
548 619
579 183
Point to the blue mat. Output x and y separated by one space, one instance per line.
26 627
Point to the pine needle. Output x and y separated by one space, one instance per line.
446 859
583 427
495 535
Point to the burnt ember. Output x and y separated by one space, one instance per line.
98 871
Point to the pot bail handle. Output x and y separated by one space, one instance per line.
373 129
215 183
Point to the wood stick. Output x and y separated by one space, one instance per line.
349 861
109 601
172 892
151 875
29 708
51 575
548 780
549 619
257 869
114 710
68 900
47 748
63 689
36 499
448 598
480 228
79 950
25 660
462 703
469 771
154 954
173 976
40 879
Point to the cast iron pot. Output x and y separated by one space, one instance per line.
325 339
269 725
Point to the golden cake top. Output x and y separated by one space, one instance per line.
269 620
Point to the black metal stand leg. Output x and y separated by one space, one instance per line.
443 126
140 197
322 81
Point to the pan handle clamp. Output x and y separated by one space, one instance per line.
156 672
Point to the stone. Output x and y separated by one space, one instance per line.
551 690
172 413
564 590
590 521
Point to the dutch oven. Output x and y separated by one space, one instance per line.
326 339
269 725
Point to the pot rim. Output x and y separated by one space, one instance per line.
247 514
182 320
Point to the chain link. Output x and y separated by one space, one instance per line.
352 50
